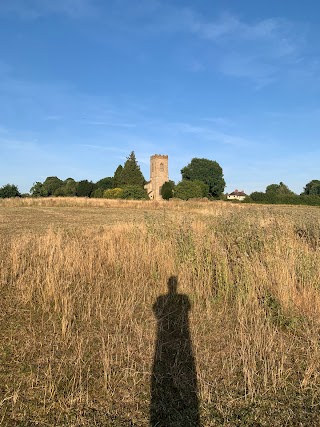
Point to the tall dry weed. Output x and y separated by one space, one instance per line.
78 331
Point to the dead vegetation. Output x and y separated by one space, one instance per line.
77 333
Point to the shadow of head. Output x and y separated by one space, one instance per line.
172 285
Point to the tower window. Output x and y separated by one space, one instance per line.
161 167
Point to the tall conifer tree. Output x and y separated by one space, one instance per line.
117 179
131 173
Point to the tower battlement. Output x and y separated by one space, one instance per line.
164 156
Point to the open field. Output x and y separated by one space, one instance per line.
81 329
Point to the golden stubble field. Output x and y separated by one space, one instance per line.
91 335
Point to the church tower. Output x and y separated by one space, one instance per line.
158 176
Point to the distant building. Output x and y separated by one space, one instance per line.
237 195
158 176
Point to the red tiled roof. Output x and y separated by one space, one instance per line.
237 193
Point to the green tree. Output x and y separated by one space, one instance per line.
204 187
51 184
186 190
70 186
117 178
258 196
131 173
315 190
207 171
60 192
68 189
9 190
272 188
279 189
167 190
38 190
312 188
105 183
98 193
134 192
84 188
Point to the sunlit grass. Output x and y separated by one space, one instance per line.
77 327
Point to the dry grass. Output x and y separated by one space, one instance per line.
78 279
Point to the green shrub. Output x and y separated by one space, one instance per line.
134 192
186 190
84 188
285 199
113 193
60 192
167 190
98 193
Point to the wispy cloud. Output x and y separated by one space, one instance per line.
63 105
260 50
15 143
219 121
102 148
230 27
109 124
214 135
156 16
258 69
3 130
33 9
52 118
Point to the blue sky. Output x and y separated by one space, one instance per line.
85 82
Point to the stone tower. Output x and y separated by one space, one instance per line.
158 176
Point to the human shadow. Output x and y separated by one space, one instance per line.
174 395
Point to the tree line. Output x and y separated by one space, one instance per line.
127 183
200 178
281 194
